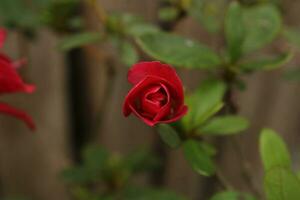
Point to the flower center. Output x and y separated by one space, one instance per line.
153 100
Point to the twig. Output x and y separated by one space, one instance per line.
99 9
231 108
246 170
223 180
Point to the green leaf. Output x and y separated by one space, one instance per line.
232 195
281 184
273 150
234 30
197 156
292 75
227 195
298 174
17 14
169 135
267 63
292 35
138 193
141 160
262 24
210 149
79 40
138 30
128 53
76 175
95 157
275 2
60 15
15 198
204 103
224 125
168 13
178 51
135 26
83 193
208 13
249 197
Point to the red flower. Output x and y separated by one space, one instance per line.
11 82
157 93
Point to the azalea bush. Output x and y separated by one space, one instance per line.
186 120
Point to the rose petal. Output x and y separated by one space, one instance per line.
180 113
2 37
143 69
19 63
7 109
133 93
5 58
10 81
148 105
165 110
153 100
146 120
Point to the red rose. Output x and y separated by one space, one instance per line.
157 93
11 82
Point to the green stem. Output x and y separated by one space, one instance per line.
223 180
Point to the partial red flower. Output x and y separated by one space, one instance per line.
157 94
11 82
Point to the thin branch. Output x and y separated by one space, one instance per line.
99 10
246 169
231 108
223 180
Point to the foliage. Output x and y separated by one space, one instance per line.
232 195
247 27
178 51
280 182
111 174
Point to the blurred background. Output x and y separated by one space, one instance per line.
79 102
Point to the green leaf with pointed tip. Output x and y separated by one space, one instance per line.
224 125
95 157
169 135
232 195
168 13
234 30
262 24
204 103
292 75
136 26
15 198
138 193
18 14
208 13
293 36
227 195
210 149
267 63
298 174
77 175
281 184
141 159
140 29
128 53
199 159
273 150
178 51
79 40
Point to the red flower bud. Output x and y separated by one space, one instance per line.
157 94
11 82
